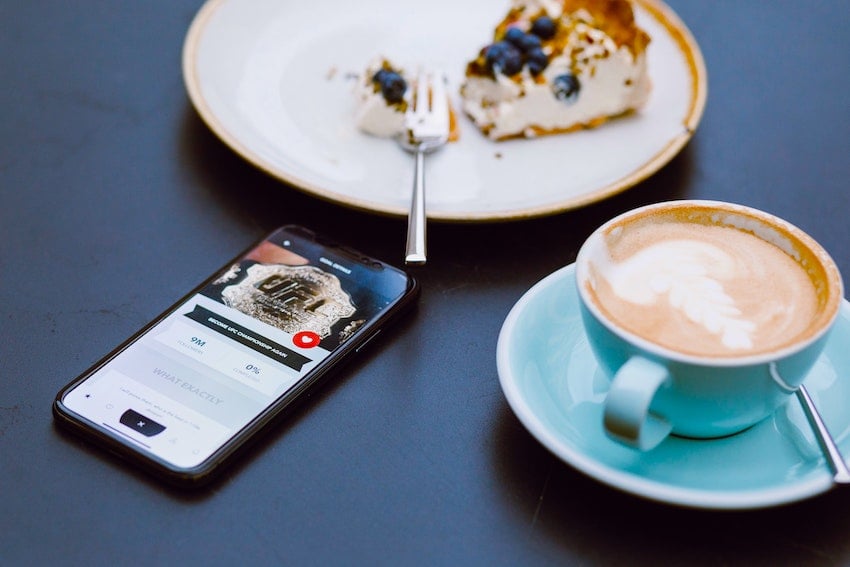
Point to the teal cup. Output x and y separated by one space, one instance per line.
706 315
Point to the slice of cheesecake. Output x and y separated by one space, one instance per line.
381 100
555 66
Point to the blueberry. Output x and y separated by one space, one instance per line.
566 88
514 36
502 57
529 42
543 27
524 41
536 60
392 85
378 77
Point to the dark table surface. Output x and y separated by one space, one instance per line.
116 199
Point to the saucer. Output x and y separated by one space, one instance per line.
554 386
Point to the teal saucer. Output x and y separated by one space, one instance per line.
551 381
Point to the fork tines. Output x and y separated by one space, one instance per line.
428 115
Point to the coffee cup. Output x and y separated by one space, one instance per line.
706 315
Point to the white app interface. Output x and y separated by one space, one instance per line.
208 369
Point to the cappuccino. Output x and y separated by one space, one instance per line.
707 283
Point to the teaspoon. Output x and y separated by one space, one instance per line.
841 475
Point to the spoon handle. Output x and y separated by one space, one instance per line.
841 474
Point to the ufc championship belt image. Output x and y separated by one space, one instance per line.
291 298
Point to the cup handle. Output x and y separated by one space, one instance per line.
627 417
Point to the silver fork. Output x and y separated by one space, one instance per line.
426 129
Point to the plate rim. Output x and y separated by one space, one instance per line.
621 480
665 15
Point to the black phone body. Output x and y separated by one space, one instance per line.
185 393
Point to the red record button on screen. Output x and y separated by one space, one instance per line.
306 339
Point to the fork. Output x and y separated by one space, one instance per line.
426 129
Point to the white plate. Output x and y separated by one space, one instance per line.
273 79
555 387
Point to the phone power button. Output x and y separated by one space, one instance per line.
367 341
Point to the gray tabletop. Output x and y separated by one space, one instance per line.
115 199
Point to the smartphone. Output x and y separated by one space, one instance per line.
182 396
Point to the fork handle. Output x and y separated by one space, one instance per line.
416 219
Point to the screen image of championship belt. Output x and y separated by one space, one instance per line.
291 298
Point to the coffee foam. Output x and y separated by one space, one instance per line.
707 282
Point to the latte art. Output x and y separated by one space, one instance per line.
702 289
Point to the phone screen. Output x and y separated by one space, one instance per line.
243 343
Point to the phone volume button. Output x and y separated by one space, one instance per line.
367 341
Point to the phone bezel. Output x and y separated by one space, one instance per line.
206 471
